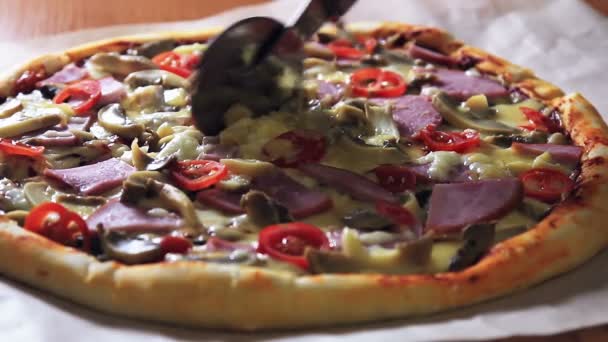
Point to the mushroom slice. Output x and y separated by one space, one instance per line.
152 49
365 219
130 249
120 65
28 121
113 119
262 210
156 77
464 119
478 239
10 107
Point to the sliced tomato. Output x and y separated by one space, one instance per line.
395 178
547 185
194 175
296 147
175 244
82 96
374 82
396 213
178 64
449 141
287 242
538 121
55 222
15 148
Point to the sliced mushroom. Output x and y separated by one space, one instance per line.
152 49
145 100
505 140
40 192
113 119
365 219
130 249
478 239
314 49
156 77
28 121
248 167
120 65
464 119
184 145
323 261
346 153
381 126
10 107
262 210
234 183
18 216
142 161
68 157
347 114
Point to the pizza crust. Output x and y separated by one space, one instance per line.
245 298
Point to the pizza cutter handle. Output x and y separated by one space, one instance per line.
313 13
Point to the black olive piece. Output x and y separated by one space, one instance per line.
48 91
478 239
423 197
504 140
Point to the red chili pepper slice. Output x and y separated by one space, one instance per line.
344 48
296 147
175 244
288 241
374 82
194 175
449 141
538 121
55 222
395 213
26 83
546 185
395 178
15 148
176 63
82 96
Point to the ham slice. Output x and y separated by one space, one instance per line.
566 154
112 91
214 150
457 205
328 92
412 113
357 186
431 56
227 202
70 73
297 198
459 85
116 215
95 178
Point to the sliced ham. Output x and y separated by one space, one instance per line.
566 154
297 198
54 138
70 73
116 215
454 206
225 201
95 178
328 92
458 84
112 91
412 113
357 186
416 51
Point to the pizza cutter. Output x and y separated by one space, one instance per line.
256 63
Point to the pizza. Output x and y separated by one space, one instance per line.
408 174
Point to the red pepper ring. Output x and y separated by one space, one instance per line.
16 148
86 93
194 175
374 82
175 244
287 242
547 185
344 48
396 213
173 62
296 147
55 222
538 121
449 141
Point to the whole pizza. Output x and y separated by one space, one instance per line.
408 174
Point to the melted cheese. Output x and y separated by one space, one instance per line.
510 114
442 164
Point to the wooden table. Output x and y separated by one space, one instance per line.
22 19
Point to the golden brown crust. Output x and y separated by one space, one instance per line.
244 298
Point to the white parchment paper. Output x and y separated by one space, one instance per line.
564 41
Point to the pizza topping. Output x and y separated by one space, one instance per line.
329 93
297 198
95 178
344 48
293 148
119 65
478 239
131 249
364 219
567 154
69 74
224 201
547 185
357 186
538 121
157 77
175 245
373 82
119 216
176 63
112 91
412 113
395 178
154 48
214 150
113 119
449 141
454 206
287 242
460 85
53 138
262 211
55 222
10 147
417 51
82 96
194 175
